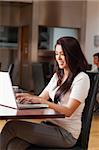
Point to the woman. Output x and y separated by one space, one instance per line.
65 90
96 69
96 62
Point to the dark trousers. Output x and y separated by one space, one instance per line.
19 135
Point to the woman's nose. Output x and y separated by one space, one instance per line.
59 56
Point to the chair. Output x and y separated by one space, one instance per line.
38 77
82 142
48 68
10 68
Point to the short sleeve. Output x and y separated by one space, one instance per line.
80 87
52 84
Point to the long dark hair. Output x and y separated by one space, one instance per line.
75 60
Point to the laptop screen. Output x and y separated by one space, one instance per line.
7 97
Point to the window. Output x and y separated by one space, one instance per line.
48 35
8 37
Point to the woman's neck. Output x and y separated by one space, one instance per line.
66 72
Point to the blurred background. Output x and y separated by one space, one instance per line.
29 30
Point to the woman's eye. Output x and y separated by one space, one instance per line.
62 54
56 54
59 54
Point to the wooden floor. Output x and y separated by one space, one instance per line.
94 135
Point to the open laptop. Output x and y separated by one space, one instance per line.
7 97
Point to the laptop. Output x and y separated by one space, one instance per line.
7 96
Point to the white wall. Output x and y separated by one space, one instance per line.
92 29
61 13
59 32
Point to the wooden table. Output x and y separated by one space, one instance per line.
44 113
31 115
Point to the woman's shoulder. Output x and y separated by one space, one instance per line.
54 77
81 76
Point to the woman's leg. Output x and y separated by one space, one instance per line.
18 144
39 134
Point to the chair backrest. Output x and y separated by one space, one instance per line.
88 110
10 70
38 77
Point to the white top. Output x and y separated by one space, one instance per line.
79 90
95 69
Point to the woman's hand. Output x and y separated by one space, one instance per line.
27 98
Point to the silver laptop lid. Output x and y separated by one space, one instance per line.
7 97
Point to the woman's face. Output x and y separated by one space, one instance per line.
60 58
96 60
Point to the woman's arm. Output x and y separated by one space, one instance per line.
77 96
68 110
28 98
43 98
44 95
